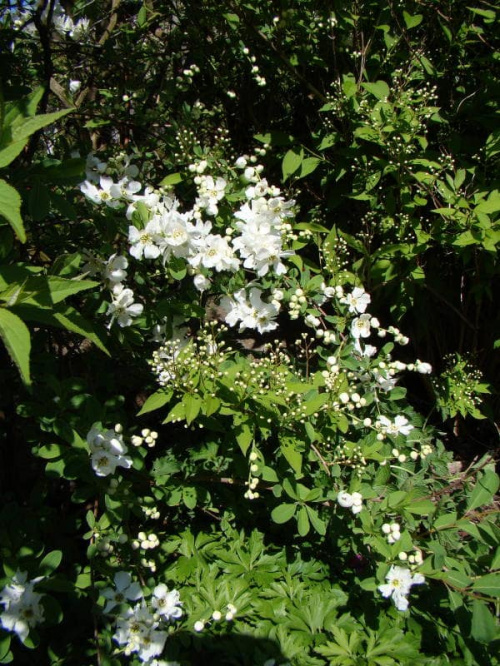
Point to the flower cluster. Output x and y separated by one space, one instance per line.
250 311
107 450
61 22
22 607
254 241
141 629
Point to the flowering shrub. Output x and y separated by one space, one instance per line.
230 460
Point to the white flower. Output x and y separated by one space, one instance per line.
201 282
312 321
252 313
357 502
358 300
423 368
386 383
74 86
136 629
345 499
126 189
103 195
22 606
124 590
123 308
216 253
115 269
167 604
93 265
399 581
400 425
210 192
107 451
360 327
94 168
143 241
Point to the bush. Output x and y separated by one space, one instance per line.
225 440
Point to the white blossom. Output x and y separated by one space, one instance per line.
125 590
399 426
22 607
166 604
143 241
115 269
107 451
358 300
399 581
122 308
360 327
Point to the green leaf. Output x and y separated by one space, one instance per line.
66 318
308 165
50 562
485 13
4 648
456 578
10 152
421 507
189 496
233 20
29 126
244 435
62 288
318 524
486 486
446 521
483 626
283 513
379 89
16 337
49 451
10 208
142 16
412 21
171 179
291 162
155 401
177 413
489 585
192 406
303 525
293 457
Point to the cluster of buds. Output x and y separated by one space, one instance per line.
398 336
253 481
147 436
217 616
104 546
415 559
392 532
148 564
353 501
328 337
297 300
145 541
151 512
351 401
352 456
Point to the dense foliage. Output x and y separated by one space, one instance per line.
249 319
